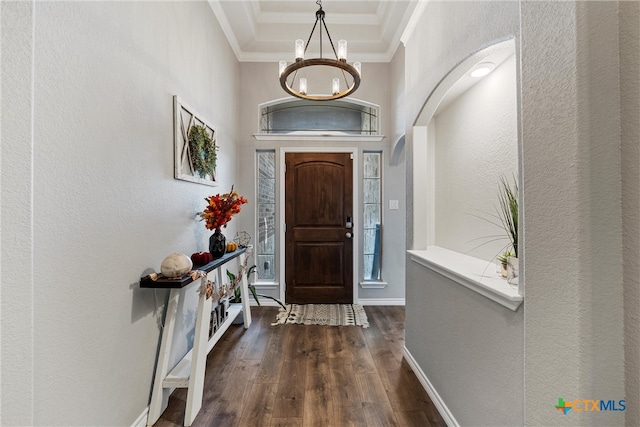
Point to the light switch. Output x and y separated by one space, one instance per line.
393 205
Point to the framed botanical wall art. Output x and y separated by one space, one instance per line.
195 146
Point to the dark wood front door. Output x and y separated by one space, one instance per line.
318 243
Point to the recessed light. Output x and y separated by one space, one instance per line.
482 69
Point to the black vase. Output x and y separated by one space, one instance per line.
217 244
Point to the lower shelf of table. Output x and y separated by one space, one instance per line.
179 376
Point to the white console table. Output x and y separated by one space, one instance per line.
189 372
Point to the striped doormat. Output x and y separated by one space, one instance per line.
323 314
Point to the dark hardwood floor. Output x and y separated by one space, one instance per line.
296 375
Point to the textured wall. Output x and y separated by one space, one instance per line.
460 339
447 33
472 353
570 108
433 48
630 135
394 172
579 60
398 106
16 185
105 205
476 141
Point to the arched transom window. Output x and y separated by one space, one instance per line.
338 117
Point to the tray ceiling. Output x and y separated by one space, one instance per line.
265 30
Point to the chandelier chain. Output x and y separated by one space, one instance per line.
332 46
311 35
330 41
320 31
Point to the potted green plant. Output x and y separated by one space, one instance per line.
508 216
508 211
237 296
504 259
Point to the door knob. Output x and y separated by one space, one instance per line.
348 235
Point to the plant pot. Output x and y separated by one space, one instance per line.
503 269
217 244
512 270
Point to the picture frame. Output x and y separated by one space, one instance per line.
185 169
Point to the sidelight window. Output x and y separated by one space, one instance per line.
266 239
372 194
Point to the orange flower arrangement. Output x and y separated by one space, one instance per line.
221 208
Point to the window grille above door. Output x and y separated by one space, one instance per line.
340 117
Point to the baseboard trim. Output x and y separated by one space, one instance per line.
264 302
442 408
362 301
381 301
142 419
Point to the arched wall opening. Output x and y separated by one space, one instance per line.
464 141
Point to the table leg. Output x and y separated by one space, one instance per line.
155 407
198 359
244 292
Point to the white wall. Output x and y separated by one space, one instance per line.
630 161
482 337
469 347
394 173
570 94
475 143
461 28
105 206
398 105
16 214
577 59
259 85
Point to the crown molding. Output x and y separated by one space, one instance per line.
226 27
254 18
413 21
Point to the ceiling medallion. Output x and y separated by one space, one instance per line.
340 87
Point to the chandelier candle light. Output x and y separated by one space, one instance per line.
339 87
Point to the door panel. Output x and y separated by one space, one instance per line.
319 194
311 259
318 253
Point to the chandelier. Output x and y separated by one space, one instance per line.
344 77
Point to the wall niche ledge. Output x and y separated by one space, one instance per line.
473 273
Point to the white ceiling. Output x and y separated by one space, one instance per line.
265 30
